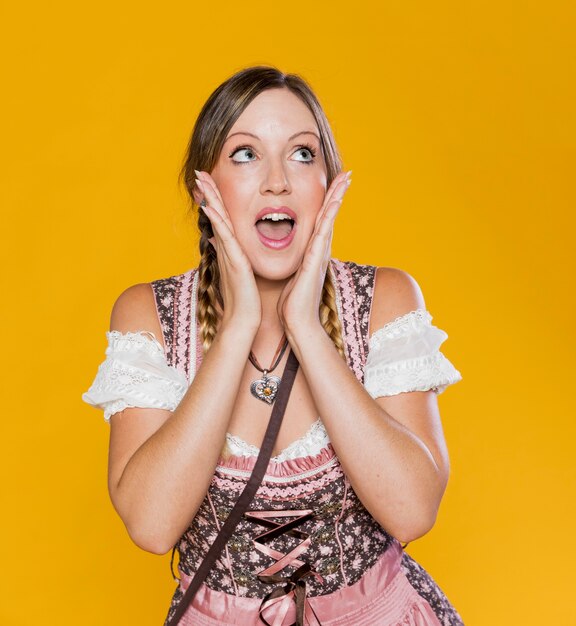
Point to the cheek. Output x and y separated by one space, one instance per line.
316 192
234 191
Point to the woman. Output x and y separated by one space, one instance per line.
188 385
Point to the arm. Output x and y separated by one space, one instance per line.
161 462
392 448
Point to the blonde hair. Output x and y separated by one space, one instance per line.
217 116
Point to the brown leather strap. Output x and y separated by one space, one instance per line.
248 492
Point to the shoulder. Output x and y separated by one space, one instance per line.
135 311
140 306
396 293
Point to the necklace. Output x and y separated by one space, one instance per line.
266 388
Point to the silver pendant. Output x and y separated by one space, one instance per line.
265 388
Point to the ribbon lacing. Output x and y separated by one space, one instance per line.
293 587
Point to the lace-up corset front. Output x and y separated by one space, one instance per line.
344 538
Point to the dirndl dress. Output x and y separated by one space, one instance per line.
325 548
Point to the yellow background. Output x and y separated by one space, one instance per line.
456 118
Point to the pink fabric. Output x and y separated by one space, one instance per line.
350 326
367 579
324 466
382 597
287 468
226 550
181 339
338 540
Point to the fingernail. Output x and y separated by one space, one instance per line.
348 174
348 182
197 173
200 185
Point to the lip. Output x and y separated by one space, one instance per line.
276 209
277 244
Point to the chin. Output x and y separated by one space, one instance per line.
276 269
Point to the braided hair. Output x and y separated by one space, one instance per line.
217 116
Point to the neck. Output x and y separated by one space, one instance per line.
270 291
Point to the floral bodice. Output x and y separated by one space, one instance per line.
335 535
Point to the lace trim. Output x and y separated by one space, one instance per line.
415 321
310 444
404 356
339 311
431 372
194 345
135 374
123 342
118 386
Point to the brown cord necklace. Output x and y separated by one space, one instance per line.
266 388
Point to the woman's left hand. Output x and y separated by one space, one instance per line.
299 301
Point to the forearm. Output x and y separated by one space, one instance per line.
392 471
166 479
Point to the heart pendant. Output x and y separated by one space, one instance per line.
265 388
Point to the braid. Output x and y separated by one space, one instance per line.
209 297
217 116
329 315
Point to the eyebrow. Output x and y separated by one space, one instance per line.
302 132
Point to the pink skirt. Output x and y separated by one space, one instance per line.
382 597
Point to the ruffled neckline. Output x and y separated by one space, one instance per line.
313 440
288 467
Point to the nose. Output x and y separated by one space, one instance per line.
275 180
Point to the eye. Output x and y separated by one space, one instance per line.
243 154
305 154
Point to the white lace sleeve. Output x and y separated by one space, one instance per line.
404 355
135 374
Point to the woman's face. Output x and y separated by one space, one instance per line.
271 165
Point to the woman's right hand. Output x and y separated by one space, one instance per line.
242 304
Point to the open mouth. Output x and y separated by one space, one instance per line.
275 226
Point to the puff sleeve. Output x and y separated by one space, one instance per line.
404 355
135 374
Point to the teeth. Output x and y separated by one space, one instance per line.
276 217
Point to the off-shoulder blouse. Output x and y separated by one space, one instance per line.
404 355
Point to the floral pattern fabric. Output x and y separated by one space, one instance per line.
344 539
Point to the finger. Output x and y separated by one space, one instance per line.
205 176
201 175
326 226
336 196
336 190
337 180
317 253
219 226
213 200
336 183
224 239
